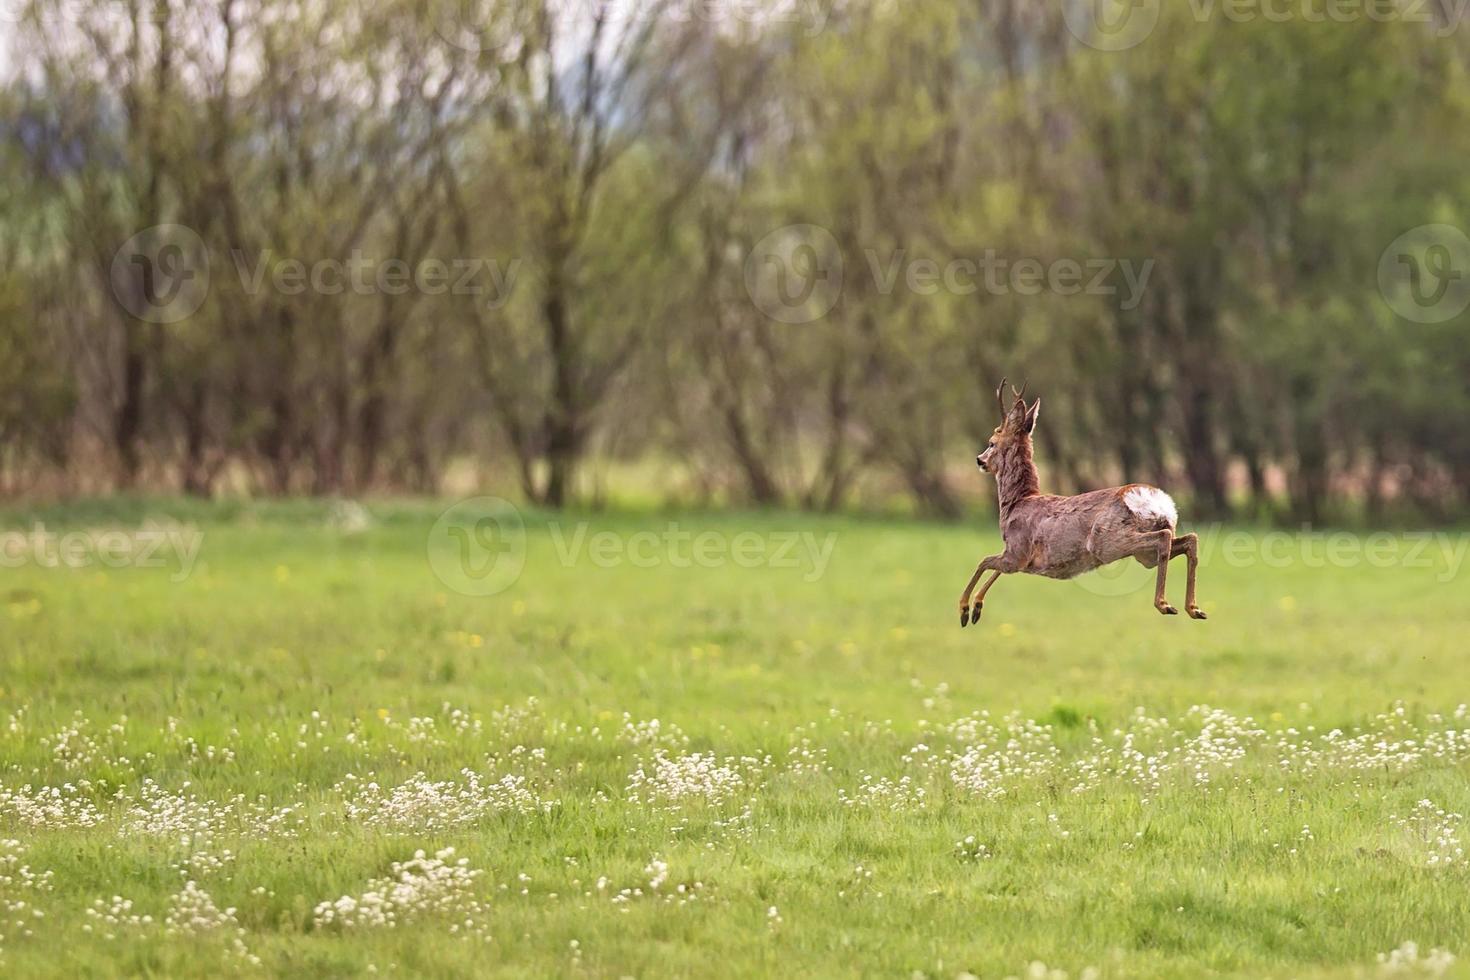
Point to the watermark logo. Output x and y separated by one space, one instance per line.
1424 276
1111 25
478 546
794 274
161 274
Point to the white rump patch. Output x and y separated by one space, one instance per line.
1151 504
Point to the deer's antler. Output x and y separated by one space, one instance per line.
1020 395
1000 401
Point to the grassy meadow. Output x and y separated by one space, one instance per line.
679 744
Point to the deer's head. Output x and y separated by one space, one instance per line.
1010 444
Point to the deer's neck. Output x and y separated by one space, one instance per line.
1019 479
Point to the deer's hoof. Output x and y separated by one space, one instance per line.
1195 612
975 613
1168 610
964 616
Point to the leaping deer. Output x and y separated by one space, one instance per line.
1063 537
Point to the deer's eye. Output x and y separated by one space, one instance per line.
991 446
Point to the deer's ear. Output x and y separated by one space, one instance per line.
1029 422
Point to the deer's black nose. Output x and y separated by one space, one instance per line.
980 462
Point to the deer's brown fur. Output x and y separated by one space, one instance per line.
1062 537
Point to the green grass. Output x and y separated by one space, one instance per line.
296 652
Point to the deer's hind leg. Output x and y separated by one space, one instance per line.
1188 545
1155 548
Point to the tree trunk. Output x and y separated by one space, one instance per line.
1201 460
561 421
128 418
197 476
931 492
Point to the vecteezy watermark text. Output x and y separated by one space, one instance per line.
175 547
998 275
163 275
478 547
796 274
1443 552
1117 25
810 15
473 25
679 547
1445 15
360 275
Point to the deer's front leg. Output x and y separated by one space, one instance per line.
995 564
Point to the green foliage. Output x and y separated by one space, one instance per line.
618 188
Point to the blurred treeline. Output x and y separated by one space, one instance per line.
615 164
